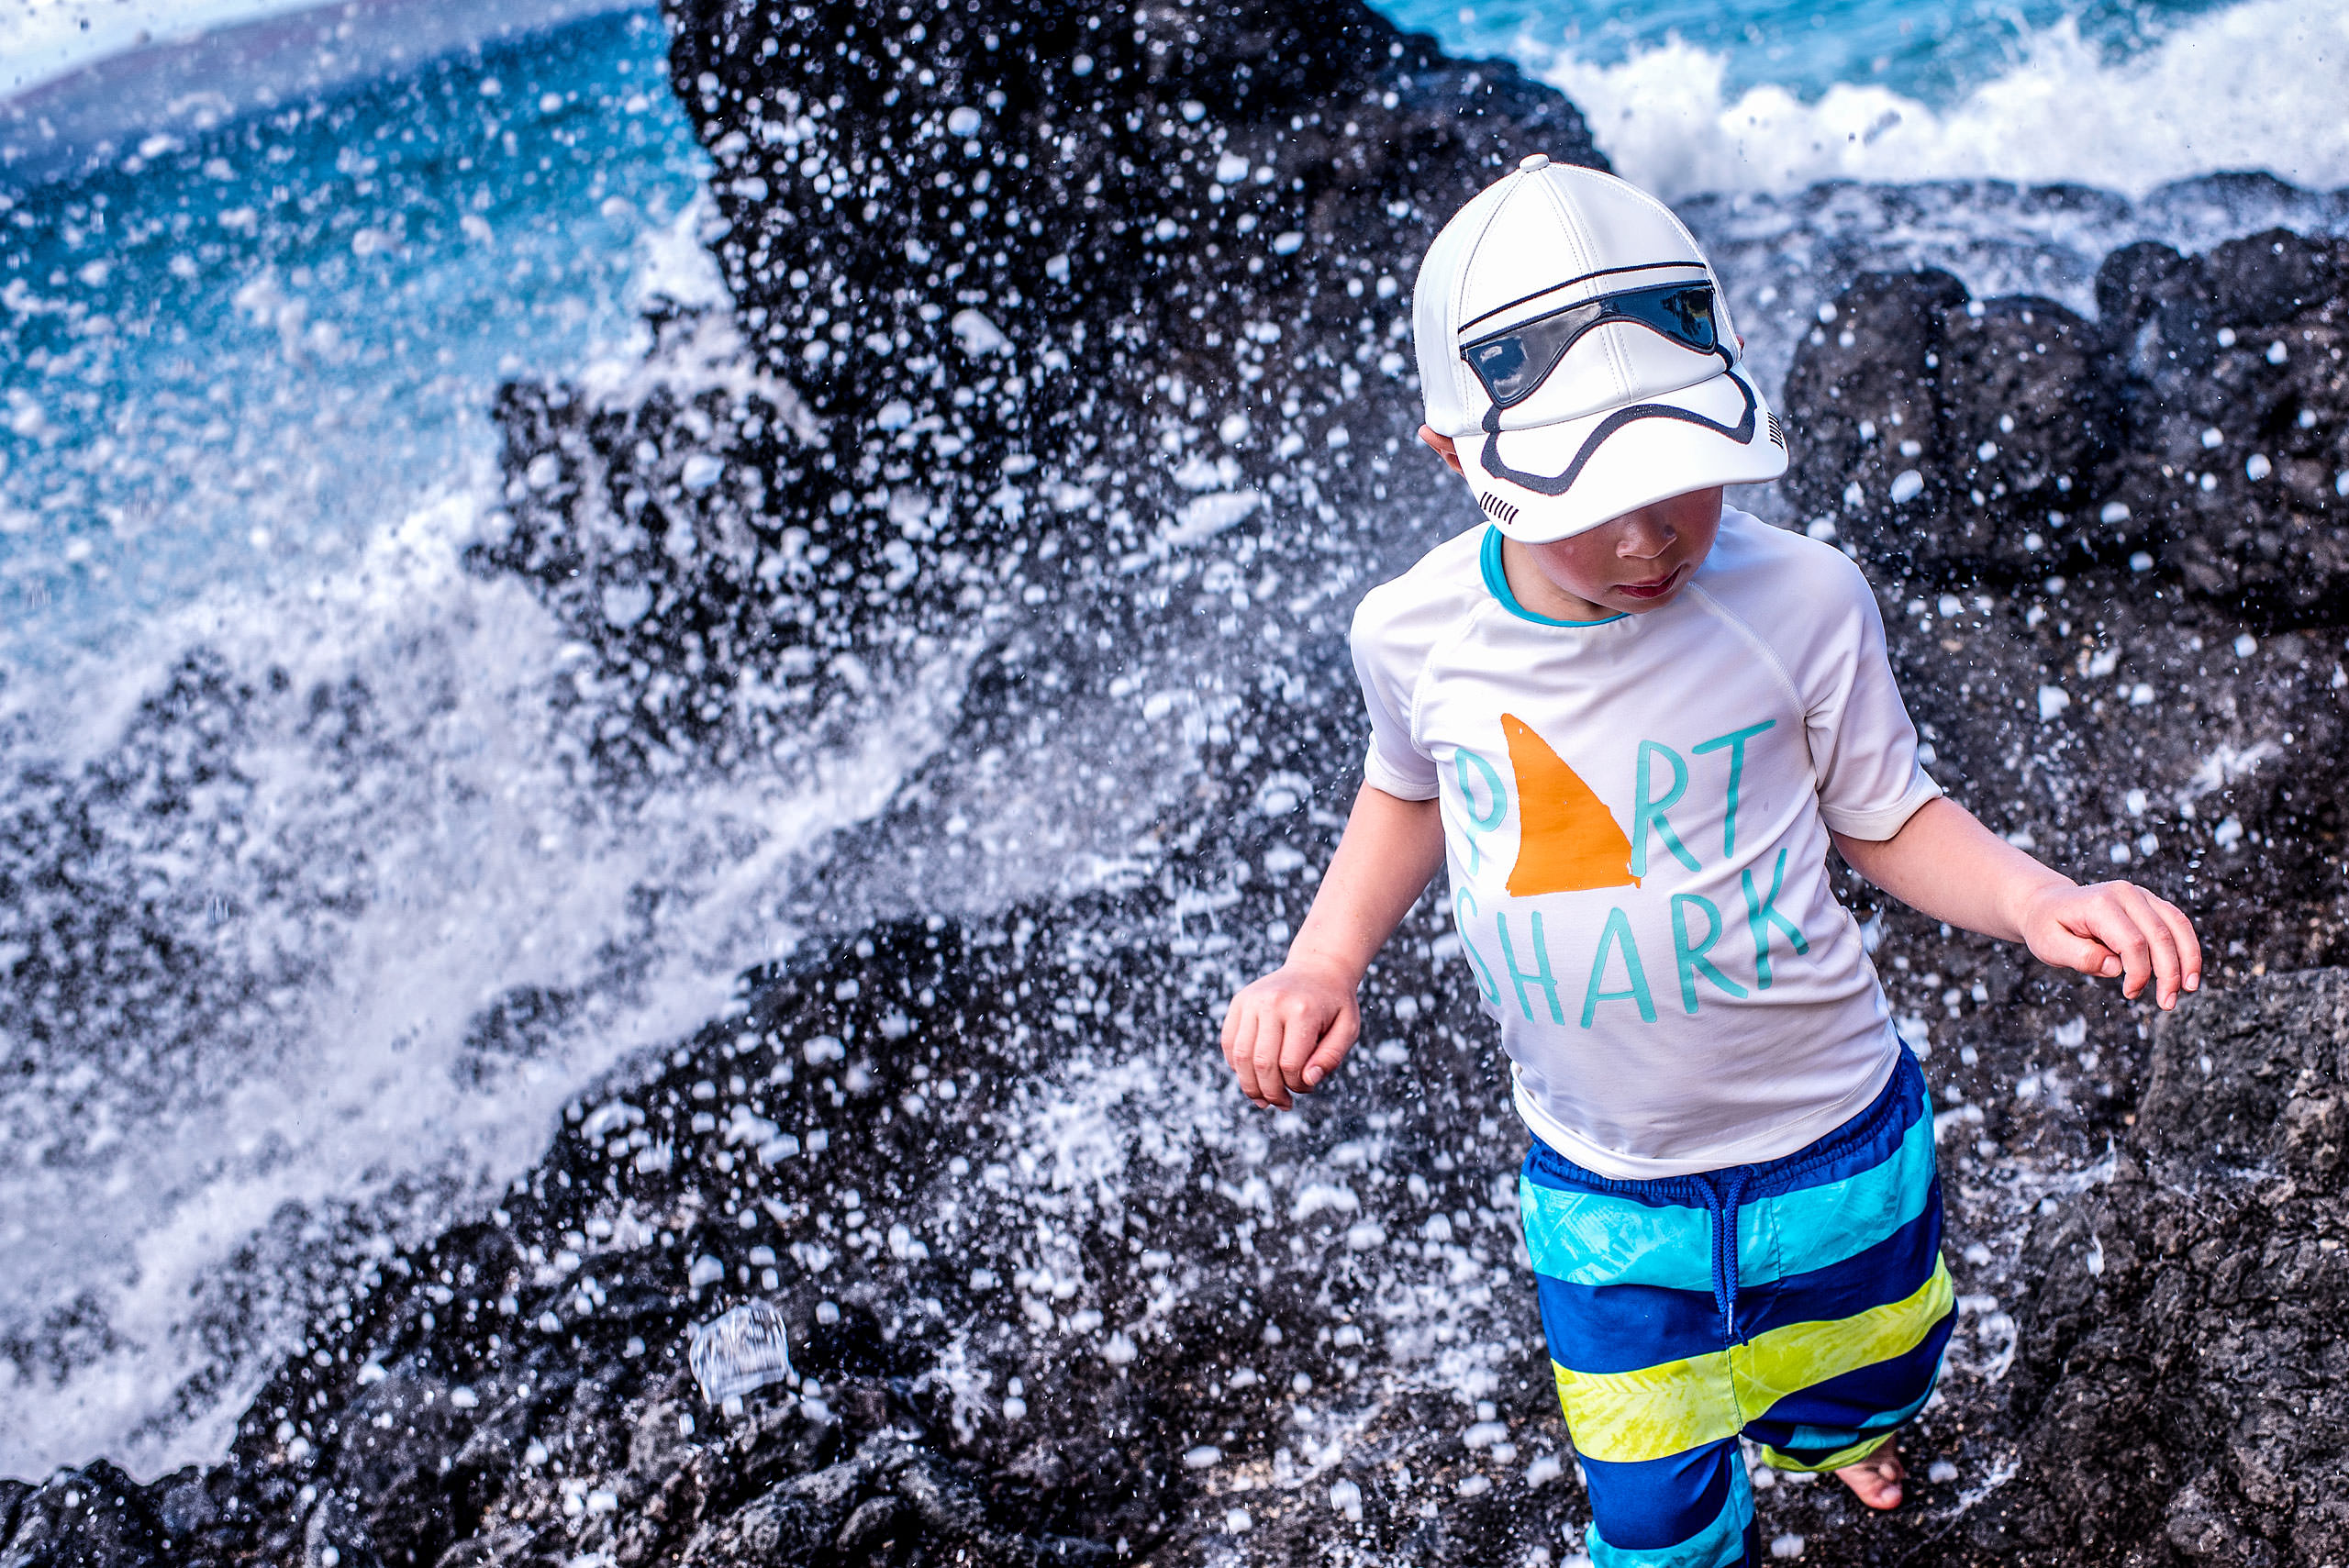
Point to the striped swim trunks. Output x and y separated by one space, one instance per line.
1802 1304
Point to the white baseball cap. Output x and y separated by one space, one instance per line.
1576 346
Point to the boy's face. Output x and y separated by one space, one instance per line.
1631 564
1639 560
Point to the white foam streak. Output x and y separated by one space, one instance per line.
675 271
2258 86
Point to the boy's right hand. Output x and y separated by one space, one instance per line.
1289 1030
1286 1032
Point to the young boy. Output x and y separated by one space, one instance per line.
1632 722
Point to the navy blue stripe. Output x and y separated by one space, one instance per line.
1657 1502
1625 1328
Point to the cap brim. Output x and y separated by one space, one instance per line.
1619 459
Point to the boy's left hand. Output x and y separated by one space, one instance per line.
2115 929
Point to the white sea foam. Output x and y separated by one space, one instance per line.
354 893
2257 86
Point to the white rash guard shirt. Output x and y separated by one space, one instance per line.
1635 816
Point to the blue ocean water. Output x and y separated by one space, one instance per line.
245 372
231 354
237 353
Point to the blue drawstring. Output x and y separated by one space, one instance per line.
1721 1205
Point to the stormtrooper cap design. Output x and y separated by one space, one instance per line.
1576 346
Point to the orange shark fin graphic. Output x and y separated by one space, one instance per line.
1569 840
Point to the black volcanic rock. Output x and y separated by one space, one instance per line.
94 1515
1977 415
1049 166
870 1143
2118 726
2105 669
2200 421
1025 301
2246 344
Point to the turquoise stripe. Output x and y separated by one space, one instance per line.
1720 1544
1795 1232
1594 1239
1496 584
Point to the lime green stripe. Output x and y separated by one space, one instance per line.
1851 1455
1657 1411
1788 1359
1648 1414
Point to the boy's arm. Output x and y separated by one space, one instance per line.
1286 1032
1946 864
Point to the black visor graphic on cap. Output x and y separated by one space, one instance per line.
1547 485
1513 363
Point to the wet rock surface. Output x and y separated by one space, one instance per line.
1127 390
1044 1294
2180 1382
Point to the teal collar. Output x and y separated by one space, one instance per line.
1496 583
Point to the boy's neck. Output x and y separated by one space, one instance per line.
1538 594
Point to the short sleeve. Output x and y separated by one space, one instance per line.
1387 663
1862 746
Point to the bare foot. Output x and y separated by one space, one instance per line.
1875 1480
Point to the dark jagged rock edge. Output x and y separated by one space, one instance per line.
516 1390
2073 443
